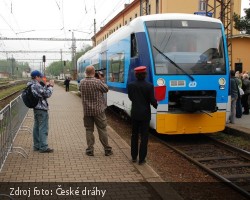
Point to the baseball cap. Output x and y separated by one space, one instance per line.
36 73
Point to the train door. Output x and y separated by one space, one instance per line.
134 54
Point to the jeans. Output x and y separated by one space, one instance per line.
40 130
238 108
233 110
244 101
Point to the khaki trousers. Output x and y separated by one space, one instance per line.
101 123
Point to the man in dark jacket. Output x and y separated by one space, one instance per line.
234 91
141 93
66 83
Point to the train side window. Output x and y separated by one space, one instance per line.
134 49
116 68
104 60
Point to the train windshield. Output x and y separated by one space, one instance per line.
195 46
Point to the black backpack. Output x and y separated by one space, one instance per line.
28 98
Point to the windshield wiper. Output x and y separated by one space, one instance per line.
177 66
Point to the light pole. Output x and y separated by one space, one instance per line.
73 48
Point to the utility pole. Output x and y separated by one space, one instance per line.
144 7
62 63
74 55
12 66
223 10
94 32
41 66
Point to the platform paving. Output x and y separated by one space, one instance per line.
241 126
69 164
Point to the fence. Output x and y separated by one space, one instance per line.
11 120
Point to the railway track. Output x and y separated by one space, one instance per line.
12 84
229 164
10 95
10 90
7 99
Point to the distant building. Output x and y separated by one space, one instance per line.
4 75
25 74
132 10
241 58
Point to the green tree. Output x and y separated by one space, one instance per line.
56 68
242 23
14 68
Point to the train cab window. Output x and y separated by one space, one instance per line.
134 49
199 50
116 68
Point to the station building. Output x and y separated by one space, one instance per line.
240 59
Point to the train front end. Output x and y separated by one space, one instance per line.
189 65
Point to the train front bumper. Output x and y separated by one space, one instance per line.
191 123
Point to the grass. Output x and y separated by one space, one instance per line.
8 91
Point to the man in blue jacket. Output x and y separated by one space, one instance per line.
40 129
141 93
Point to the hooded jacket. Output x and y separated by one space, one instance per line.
42 92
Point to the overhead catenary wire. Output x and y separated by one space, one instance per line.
89 8
13 16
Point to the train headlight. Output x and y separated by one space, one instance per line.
160 81
222 81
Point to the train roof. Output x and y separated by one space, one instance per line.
177 16
137 23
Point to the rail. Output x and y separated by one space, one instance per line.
11 120
227 163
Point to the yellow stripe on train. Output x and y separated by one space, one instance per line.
190 123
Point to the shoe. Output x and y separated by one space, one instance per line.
35 149
142 162
134 160
89 153
108 152
48 150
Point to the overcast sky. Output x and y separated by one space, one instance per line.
244 4
53 18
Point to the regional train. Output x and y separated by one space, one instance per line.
187 62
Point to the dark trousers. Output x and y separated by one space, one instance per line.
139 128
67 88
101 123
238 108
244 101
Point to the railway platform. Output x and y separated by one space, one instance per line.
241 126
69 165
